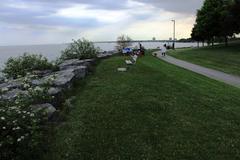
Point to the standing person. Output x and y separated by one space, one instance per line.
164 50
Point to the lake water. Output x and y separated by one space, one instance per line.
52 51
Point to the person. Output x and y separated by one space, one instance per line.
141 49
164 50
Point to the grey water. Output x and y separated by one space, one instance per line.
52 51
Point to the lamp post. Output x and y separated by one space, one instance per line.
174 23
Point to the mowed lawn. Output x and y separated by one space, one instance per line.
153 111
225 59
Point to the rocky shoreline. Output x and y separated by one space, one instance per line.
69 72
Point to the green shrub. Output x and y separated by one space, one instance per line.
20 66
80 49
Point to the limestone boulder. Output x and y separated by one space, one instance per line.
12 84
12 94
75 62
42 73
64 78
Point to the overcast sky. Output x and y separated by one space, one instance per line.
60 21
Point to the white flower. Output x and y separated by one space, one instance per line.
2 118
22 137
16 102
31 115
3 128
19 139
19 76
38 89
26 85
23 117
18 128
52 79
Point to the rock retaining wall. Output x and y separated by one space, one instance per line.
69 72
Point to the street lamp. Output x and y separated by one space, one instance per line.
174 23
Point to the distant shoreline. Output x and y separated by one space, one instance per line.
133 41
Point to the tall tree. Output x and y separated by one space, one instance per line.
197 35
226 21
217 18
235 11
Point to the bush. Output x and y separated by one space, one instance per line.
19 131
20 66
21 127
80 49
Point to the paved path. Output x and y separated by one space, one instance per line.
211 73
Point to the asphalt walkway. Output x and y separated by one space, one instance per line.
211 73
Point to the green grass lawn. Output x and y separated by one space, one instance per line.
226 59
153 111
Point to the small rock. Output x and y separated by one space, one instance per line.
38 82
2 79
53 91
47 108
122 69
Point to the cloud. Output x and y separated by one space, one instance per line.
39 21
177 6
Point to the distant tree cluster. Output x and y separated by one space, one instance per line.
185 40
217 19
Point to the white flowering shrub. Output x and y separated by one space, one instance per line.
20 66
80 49
20 131
36 94
21 128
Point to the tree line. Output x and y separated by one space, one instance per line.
217 19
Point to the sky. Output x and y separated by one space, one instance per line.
59 21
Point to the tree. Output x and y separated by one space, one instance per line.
235 11
228 21
123 41
217 18
196 35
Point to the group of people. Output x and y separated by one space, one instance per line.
141 50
